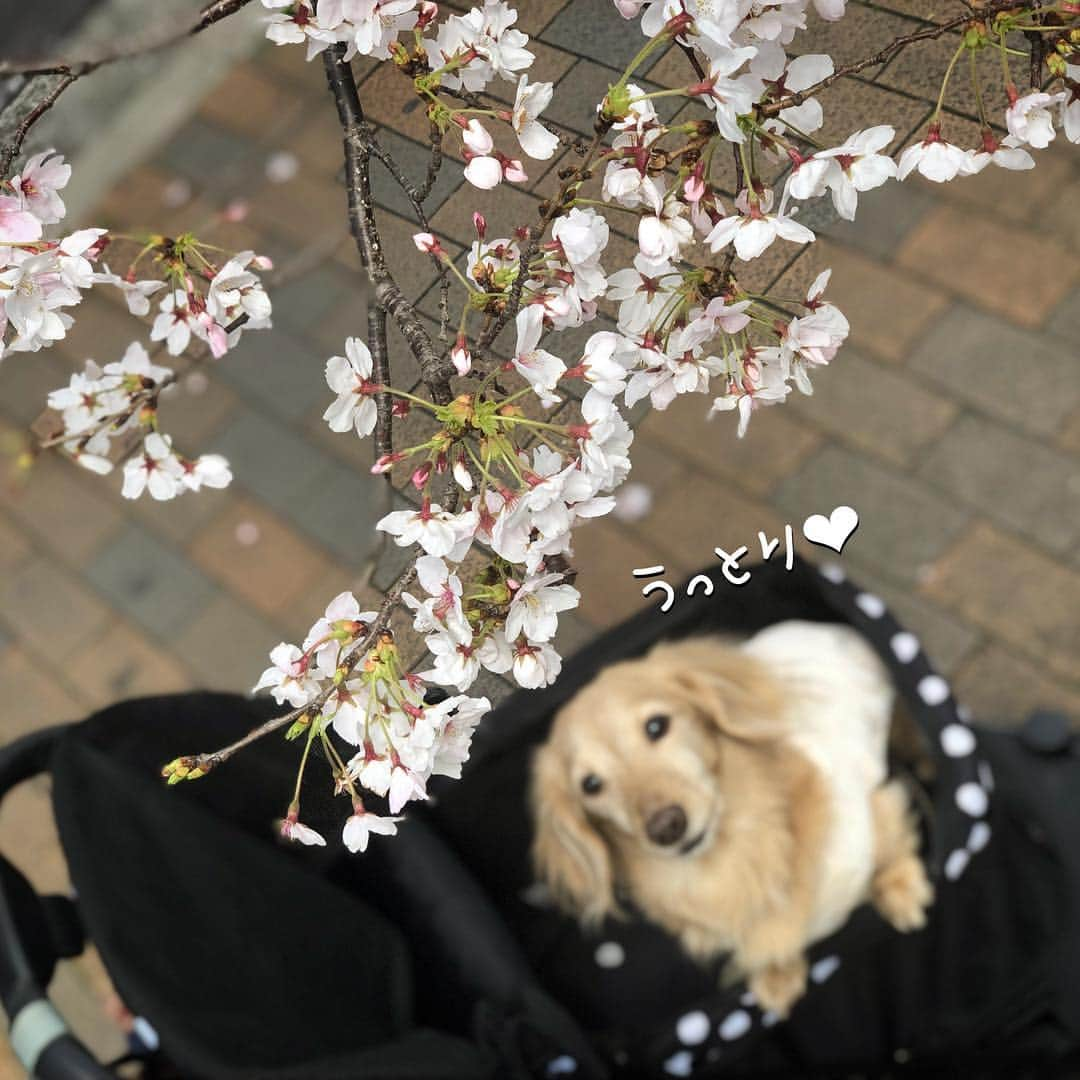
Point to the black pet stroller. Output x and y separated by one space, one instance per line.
434 955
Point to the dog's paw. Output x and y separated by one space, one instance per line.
778 986
771 941
902 893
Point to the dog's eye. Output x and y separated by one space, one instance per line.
656 727
592 784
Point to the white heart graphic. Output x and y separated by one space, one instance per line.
832 531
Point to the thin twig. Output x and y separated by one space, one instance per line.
889 51
137 45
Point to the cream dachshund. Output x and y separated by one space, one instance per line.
737 794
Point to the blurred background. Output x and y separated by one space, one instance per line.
950 421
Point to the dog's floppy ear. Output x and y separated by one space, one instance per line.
569 856
732 690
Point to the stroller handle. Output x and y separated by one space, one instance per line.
38 1034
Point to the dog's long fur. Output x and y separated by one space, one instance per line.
775 753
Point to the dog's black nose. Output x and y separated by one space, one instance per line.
667 826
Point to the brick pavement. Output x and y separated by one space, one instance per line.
951 421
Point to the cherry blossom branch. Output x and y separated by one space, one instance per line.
203 763
435 369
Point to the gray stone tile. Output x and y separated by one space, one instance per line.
201 149
305 302
595 31
271 461
903 526
886 215
1011 480
1065 321
574 634
413 160
150 582
25 382
391 558
993 365
341 511
226 645
873 407
280 371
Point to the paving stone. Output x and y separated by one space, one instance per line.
884 219
849 103
342 510
1018 483
1002 688
149 582
999 267
201 150
1026 197
135 202
872 407
256 555
919 70
194 409
301 304
903 526
863 31
775 444
121 663
249 103
51 609
272 461
412 158
177 520
534 16
279 371
983 360
594 31
69 511
1065 318
505 208
14 547
226 645
1069 439
887 308
1019 595
304 210
33 699
699 514
26 380
606 556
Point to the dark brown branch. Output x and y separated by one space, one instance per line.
435 369
380 372
44 92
